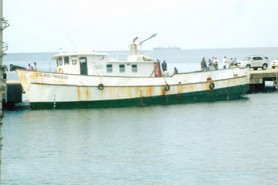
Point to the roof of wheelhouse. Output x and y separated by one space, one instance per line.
67 54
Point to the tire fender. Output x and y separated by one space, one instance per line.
100 86
211 85
167 87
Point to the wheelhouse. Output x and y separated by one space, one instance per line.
102 64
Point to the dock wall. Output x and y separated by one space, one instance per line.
258 79
13 94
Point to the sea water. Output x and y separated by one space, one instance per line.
227 142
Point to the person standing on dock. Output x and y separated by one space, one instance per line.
224 62
215 63
210 61
164 66
176 70
30 67
203 64
35 66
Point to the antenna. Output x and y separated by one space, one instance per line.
72 45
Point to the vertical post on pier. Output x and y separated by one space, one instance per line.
2 79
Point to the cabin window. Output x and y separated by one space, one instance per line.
59 62
74 62
83 60
66 60
109 68
134 68
122 68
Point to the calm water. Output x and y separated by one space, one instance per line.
230 142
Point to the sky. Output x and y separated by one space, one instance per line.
104 25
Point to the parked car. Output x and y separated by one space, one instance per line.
254 62
274 63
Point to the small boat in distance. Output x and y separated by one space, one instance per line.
167 48
95 80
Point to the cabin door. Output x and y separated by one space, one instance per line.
83 66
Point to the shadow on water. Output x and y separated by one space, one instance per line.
25 106
268 89
262 89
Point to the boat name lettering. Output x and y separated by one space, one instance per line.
48 75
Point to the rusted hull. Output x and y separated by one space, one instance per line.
231 93
51 90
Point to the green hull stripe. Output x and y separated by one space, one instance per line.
202 96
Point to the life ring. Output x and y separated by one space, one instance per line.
100 86
60 70
167 87
211 85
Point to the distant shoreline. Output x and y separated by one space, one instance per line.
166 48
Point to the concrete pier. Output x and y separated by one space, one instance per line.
258 78
13 94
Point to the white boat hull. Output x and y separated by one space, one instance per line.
54 90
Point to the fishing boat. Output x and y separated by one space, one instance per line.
95 80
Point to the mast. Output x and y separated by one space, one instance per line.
133 46
3 24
